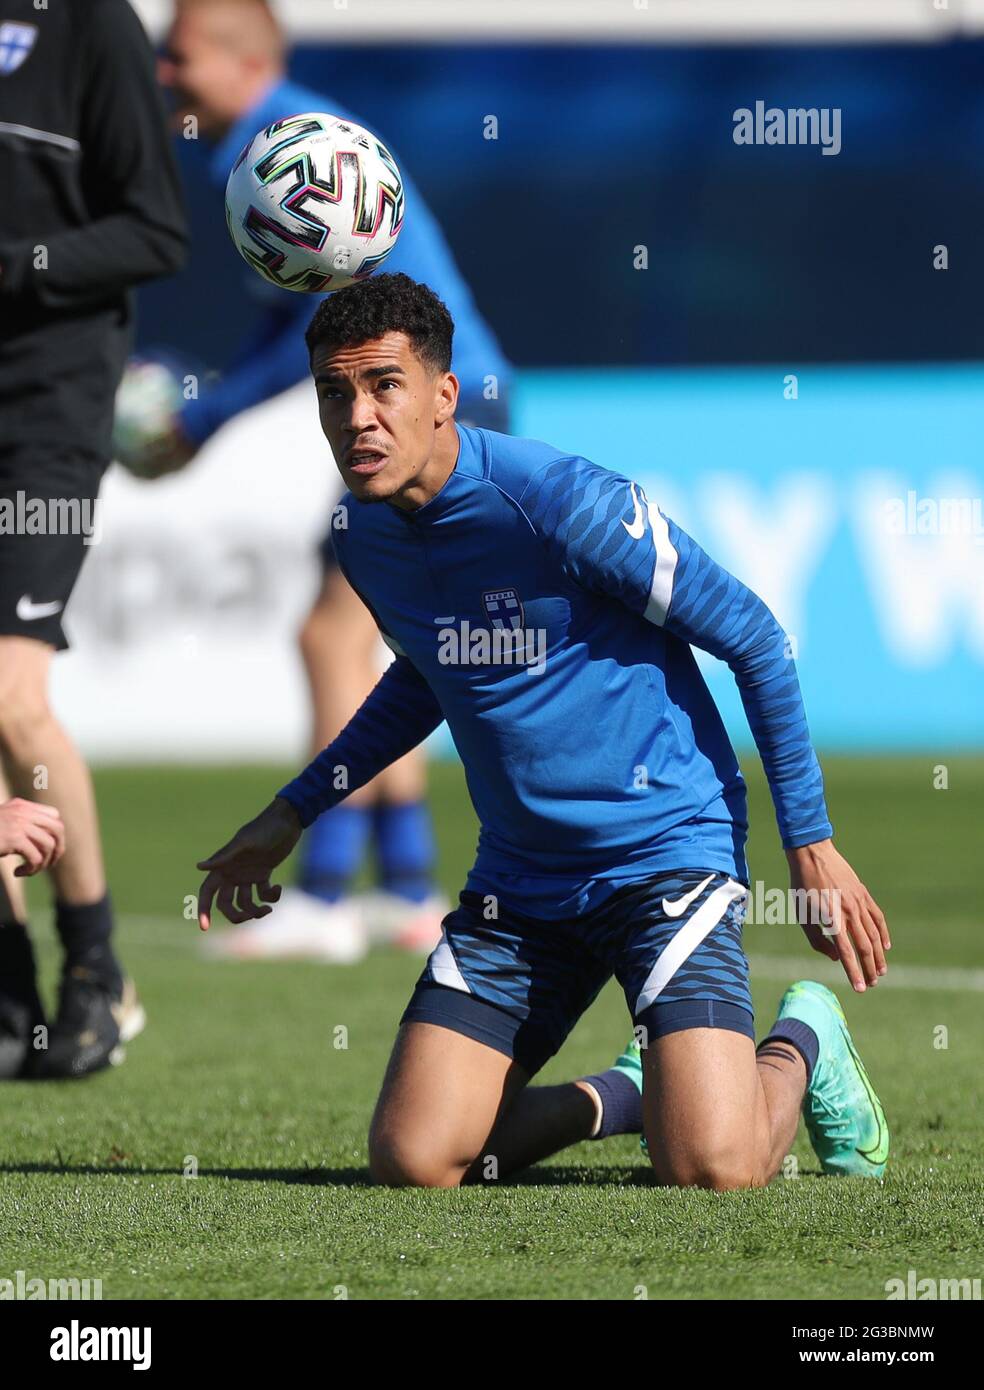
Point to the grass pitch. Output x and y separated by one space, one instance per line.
239 1078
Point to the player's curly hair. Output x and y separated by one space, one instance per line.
391 303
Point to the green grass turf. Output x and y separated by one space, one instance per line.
238 1069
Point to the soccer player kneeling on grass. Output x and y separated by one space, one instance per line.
547 610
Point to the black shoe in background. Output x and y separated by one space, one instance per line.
19 1017
21 1011
95 1017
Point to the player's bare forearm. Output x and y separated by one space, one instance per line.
246 863
839 916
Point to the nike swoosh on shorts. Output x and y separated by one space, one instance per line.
678 906
28 611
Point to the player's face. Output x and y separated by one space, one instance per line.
381 410
204 73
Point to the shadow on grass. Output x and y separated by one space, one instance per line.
638 1176
313 1177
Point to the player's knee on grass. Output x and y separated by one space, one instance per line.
403 1160
703 1110
717 1167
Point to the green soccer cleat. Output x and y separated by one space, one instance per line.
844 1117
630 1062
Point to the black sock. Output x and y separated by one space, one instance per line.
798 1035
85 932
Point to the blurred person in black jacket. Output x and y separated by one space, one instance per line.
90 207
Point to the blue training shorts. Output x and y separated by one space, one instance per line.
519 984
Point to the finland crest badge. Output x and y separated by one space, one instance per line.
16 42
503 608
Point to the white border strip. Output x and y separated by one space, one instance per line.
613 21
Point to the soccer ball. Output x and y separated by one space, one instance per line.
314 203
148 399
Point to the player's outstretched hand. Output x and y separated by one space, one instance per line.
839 916
34 831
247 862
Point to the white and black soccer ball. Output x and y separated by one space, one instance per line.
314 203
147 404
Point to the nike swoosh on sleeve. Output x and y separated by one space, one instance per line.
637 527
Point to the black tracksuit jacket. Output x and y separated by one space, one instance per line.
90 205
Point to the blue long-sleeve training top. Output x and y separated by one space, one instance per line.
547 609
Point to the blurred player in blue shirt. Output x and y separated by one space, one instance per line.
548 610
224 61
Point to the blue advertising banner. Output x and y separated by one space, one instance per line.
848 498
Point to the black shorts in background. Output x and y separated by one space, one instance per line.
48 522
